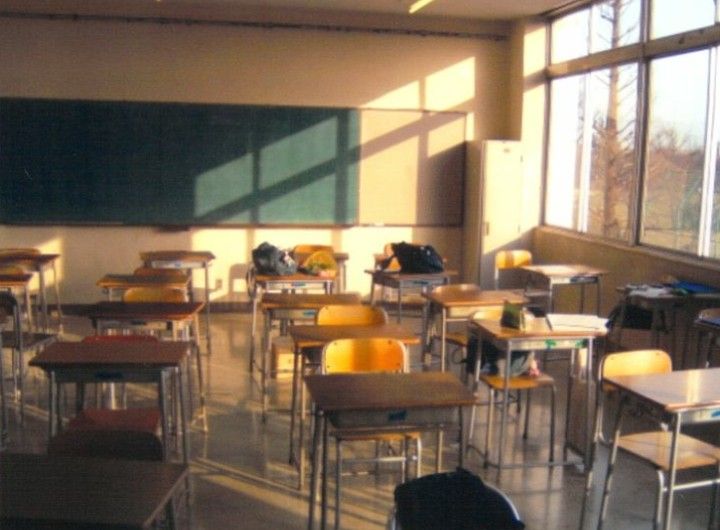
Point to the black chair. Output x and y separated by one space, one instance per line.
456 500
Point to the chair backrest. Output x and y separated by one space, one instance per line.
364 355
350 315
154 294
636 362
4 252
510 259
120 338
107 443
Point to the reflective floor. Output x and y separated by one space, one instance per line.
241 477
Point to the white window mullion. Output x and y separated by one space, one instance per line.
710 166
583 213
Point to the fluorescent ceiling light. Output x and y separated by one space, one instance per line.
418 5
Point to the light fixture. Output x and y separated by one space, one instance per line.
418 5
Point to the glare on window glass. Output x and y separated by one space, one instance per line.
668 17
570 36
675 151
565 146
615 23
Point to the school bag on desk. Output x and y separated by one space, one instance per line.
415 259
270 260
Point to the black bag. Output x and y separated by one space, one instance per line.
418 259
268 259
457 500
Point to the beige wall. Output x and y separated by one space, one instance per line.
118 60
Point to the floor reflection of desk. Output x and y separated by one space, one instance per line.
116 362
77 492
458 305
317 336
538 336
581 275
400 402
400 281
38 263
185 260
680 398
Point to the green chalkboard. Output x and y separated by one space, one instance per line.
167 164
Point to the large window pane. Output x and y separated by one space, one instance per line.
613 169
565 146
615 23
668 17
570 36
675 151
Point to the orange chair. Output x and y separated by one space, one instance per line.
509 260
368 355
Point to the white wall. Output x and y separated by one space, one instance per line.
118 60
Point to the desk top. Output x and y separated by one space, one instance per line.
126 281
145 310
399 275
674 391
263 279
86 491
15 280
308 336
28 257
105 354
383 391
306 301
473 296
191 256
565 271
537 328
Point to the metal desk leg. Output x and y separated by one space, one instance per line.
293 406
505 407
253 331
164 413
183 416
671 473
315 468
207 308
323 482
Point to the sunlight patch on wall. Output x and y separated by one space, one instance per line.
404 97
223 184
451 87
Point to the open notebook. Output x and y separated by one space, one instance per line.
562 321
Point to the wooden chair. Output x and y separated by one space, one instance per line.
351 315
653 447
154 294
19 342
517 384
368 355
507 260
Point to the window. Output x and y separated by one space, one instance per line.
613 89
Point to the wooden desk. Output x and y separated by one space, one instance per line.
185 260
286 307
539 337
122 282
119 362
38 263
581 275
182 317
458 305
680 398
401 281
259 284
399 402
313 336
86 492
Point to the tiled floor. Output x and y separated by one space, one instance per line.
241 478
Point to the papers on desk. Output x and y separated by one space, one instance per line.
562 321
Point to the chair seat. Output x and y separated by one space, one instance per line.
458 339
519 382
654 447
135 419
357 435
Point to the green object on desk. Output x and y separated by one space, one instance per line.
176 164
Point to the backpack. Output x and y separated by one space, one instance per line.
270 260
418 259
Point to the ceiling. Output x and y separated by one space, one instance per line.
473 9
455 9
